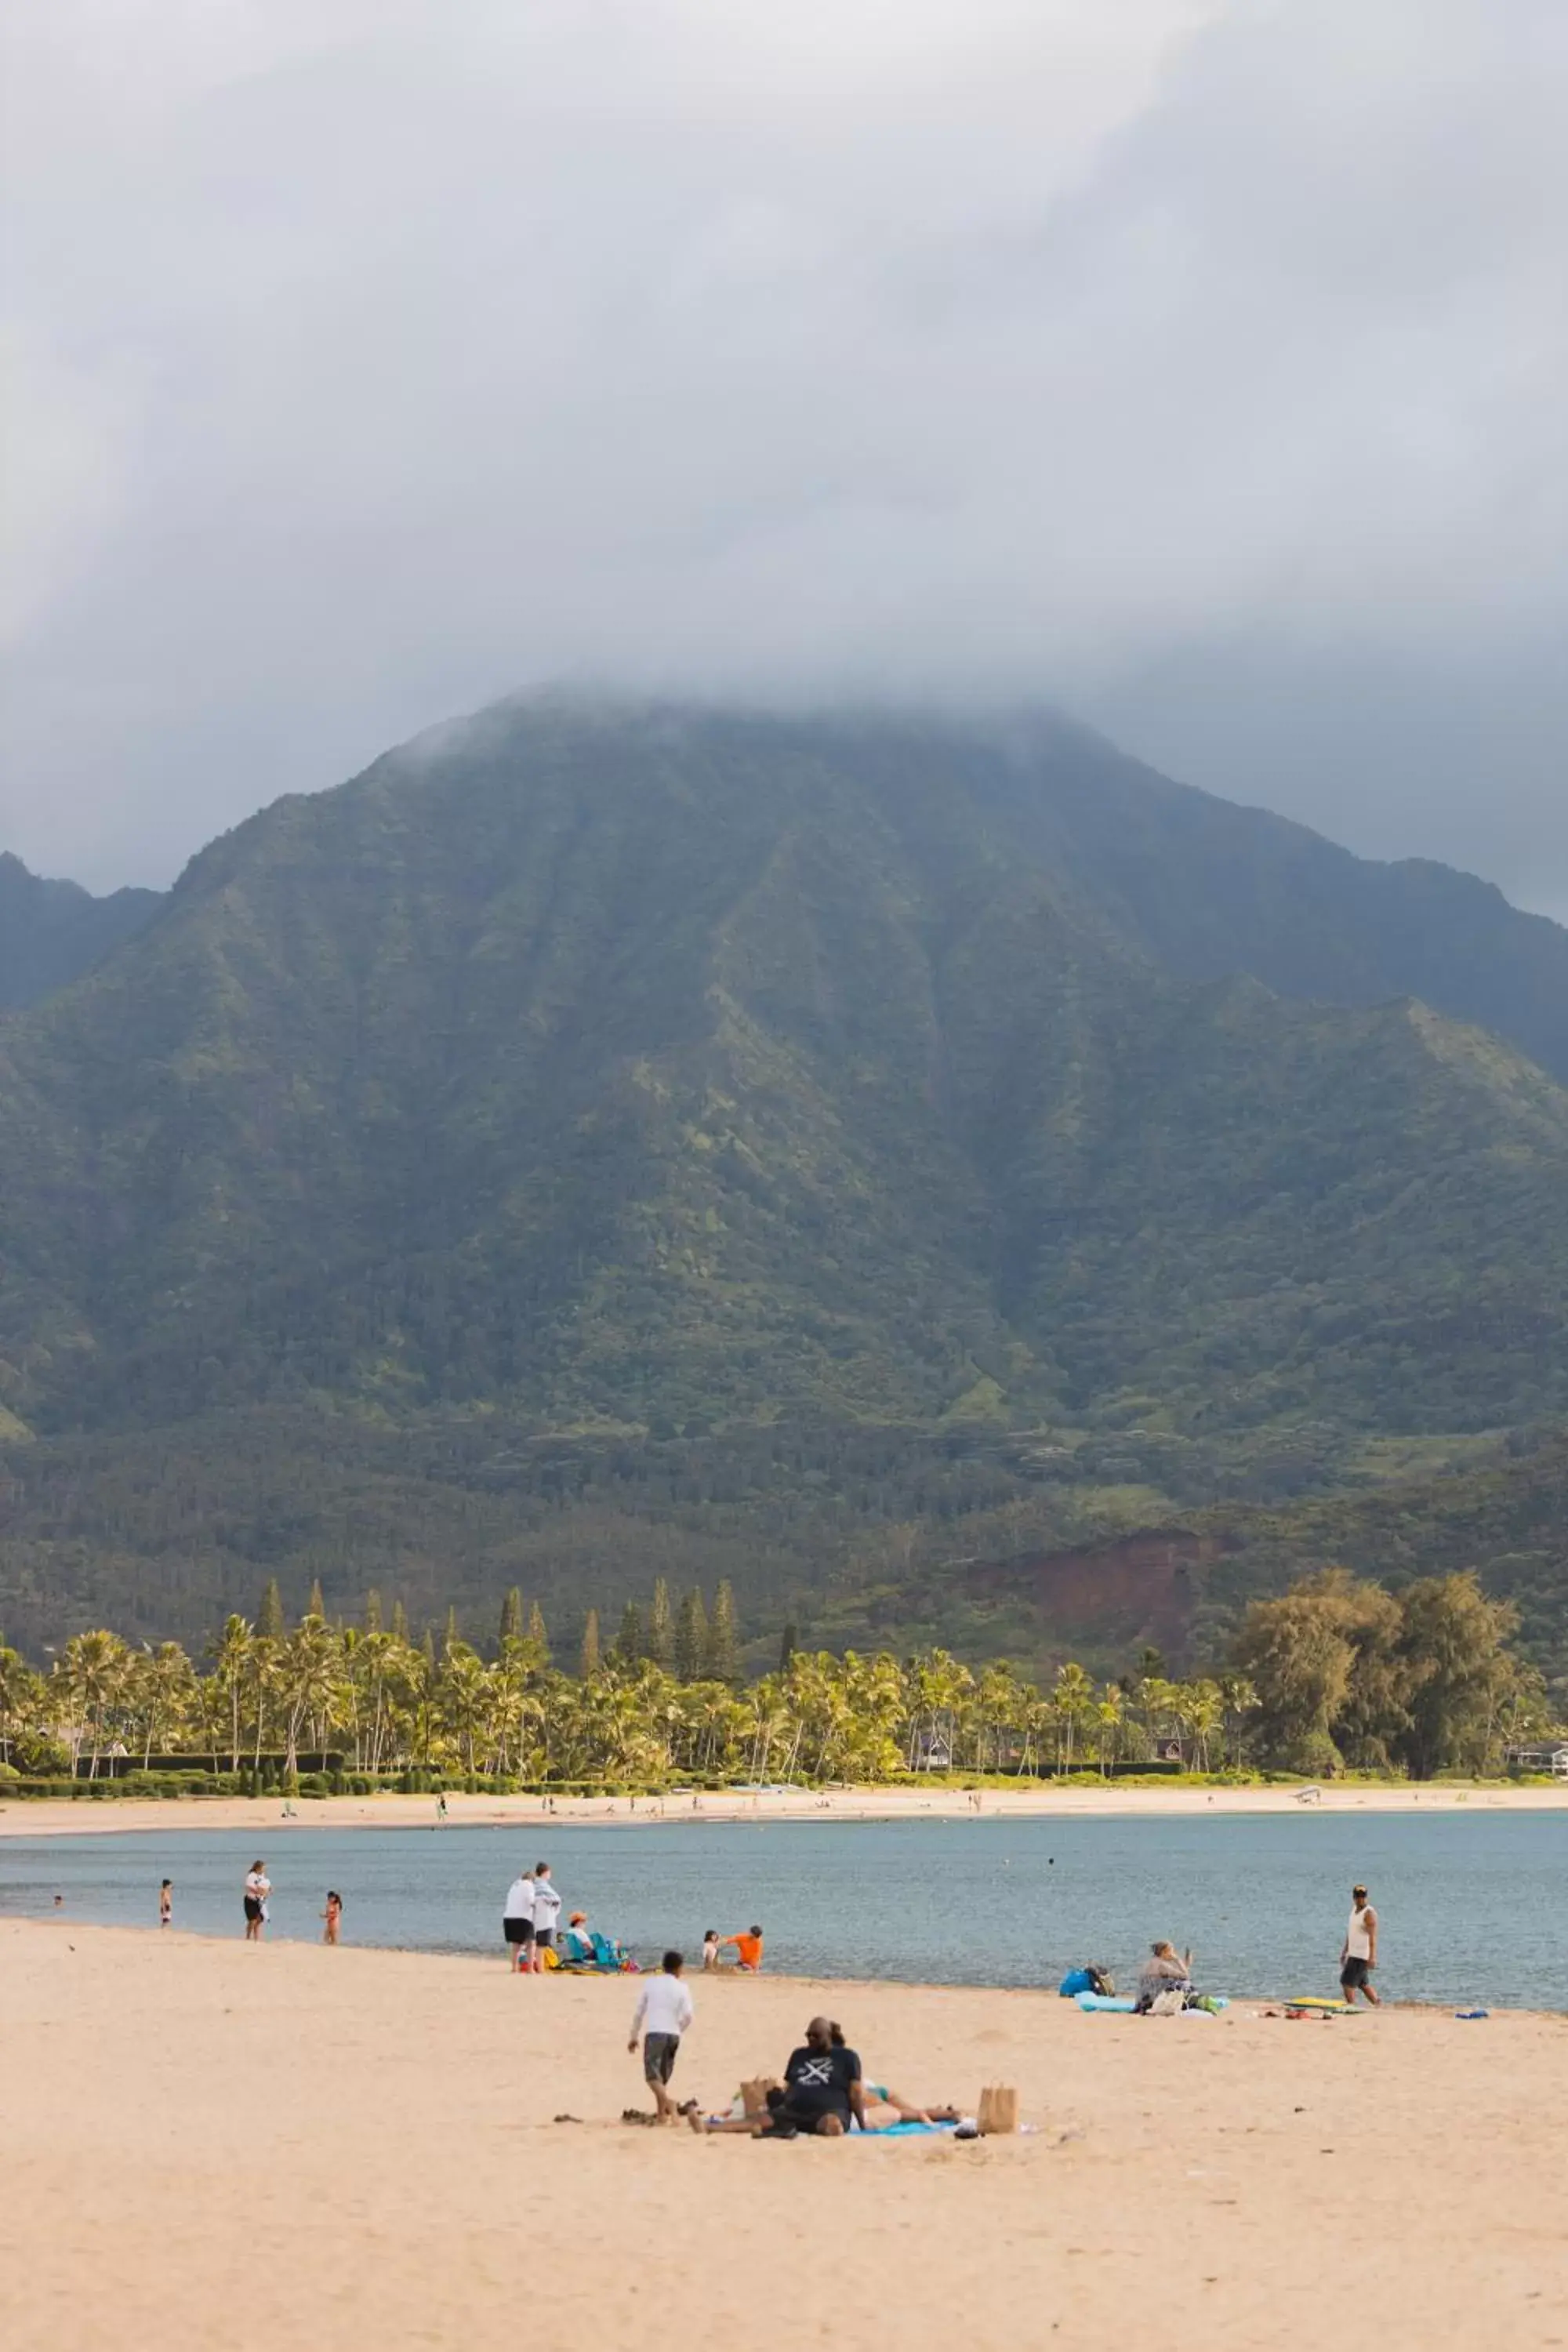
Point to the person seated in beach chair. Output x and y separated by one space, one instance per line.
585 1952
1165 1972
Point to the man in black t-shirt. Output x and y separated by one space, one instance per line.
822 2085
822 2091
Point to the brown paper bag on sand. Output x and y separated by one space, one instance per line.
998 2110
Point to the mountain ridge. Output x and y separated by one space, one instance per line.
51 931
693 1075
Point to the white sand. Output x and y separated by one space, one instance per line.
209 2145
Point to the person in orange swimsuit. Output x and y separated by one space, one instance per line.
748 1949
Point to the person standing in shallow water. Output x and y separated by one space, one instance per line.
257 1888
166 1903
1359 1956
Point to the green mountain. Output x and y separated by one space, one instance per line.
51 932
605 1140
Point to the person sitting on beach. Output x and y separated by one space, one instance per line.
579 1944
710 1948
748 1949
823 2093
1165 1970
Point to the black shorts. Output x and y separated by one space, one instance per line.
545 1937
252 1907
518 1931
1356 1975
658 2057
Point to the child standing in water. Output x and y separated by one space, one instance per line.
331 1914
167 1904
710 1950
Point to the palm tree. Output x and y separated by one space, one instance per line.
89 1677
1074 1701
232 1663
161 1685
306 1672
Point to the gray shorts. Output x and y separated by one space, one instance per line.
658 2057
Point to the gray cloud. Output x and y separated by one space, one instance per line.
1203 365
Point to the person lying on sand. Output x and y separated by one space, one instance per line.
822 2093
884 2106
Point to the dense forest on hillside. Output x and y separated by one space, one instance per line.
863 1159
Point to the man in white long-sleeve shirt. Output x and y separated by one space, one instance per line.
664 2010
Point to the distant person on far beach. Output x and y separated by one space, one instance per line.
332 1914
166 1903
748 1949
1359 1956
257 1888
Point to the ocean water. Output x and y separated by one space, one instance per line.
1474 1908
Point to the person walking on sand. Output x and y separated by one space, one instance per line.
332 1914
662 2015
167 1904
257 1888
546 1911
517 1921
1358 1956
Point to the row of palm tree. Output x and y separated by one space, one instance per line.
382 1703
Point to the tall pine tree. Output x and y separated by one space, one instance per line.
588 1662
373 1611
449 1638
722 1662
787 1641
628 1641
690 1637
318 1607
399 1623
270 1616
659 1642
511 1615
536 1632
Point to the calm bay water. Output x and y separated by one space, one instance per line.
1474 1907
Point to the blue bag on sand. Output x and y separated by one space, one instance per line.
1076 1981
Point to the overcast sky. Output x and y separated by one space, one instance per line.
1202 366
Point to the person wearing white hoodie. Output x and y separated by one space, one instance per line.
546 1911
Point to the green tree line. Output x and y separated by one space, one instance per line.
1336 1674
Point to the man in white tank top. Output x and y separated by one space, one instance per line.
1358 1956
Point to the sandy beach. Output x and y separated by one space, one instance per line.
209 2144
63 1817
